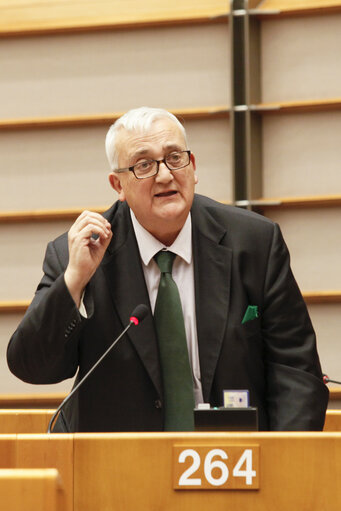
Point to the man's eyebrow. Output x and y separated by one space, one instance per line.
144 151
140 152
169 147
137 154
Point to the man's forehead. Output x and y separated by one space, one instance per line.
162 132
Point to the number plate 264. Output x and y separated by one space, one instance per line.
203 467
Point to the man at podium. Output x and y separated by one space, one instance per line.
225 311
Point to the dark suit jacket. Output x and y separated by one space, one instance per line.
240 259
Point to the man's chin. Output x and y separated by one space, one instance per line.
171 210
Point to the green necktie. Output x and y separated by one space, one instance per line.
176 370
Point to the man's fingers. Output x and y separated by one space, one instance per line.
89 223
102 242
86 252
90 216
90 231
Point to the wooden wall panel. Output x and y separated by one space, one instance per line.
21 15
67 167
296 5
8 382
326 319
301 154
63 167
22 255
172 67
210 143
54 168
301 58
313 237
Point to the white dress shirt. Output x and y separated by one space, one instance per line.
183 275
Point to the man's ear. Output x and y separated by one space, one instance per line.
193 161
194 168
115 183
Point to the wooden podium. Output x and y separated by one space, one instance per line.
31 489
129 472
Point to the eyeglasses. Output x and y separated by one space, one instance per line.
149 168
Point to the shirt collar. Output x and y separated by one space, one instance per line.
149 246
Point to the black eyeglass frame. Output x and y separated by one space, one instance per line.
131 169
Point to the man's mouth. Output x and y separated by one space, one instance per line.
166 194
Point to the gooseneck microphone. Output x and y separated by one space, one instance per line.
326 380
138 315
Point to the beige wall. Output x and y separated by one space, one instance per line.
301 58
89 73
313 238
301 154
67 167
178 67
112 71
326 321
301 61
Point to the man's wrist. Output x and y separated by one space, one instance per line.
75 289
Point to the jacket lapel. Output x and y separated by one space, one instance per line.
212 274
124 275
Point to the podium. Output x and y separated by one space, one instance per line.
129 472
30 489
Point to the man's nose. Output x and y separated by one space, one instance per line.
164 174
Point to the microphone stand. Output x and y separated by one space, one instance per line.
68 397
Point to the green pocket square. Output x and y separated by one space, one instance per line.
250 314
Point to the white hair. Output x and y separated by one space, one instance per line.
137 119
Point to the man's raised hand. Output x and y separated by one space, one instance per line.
88 239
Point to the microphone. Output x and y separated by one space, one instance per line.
138 315
326 380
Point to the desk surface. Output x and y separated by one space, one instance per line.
297 471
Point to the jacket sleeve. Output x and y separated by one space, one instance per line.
44 348
296 395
